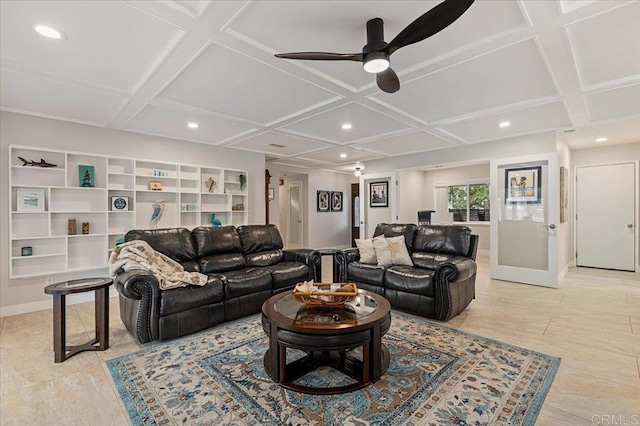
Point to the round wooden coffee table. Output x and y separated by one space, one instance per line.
327 335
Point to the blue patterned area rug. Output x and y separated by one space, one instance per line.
437 376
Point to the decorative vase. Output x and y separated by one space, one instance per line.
214 222
71 227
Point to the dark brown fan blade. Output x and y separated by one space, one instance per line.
388 81
322 56
432 22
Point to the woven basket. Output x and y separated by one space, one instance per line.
346 293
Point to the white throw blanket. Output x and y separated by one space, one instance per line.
138 254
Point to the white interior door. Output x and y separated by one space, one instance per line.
378 195
295 216
605 221
525 208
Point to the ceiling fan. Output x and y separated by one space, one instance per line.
375 54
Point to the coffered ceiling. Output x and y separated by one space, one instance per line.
152 67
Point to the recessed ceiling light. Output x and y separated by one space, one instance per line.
193 125
602 140
346 126
505 124
49 32
343 155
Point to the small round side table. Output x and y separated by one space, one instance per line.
59 291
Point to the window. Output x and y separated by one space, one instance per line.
469 203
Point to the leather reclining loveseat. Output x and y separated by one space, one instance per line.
245 266
441 282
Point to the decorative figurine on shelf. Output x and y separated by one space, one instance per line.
86 174
158 209
243 181
214 222
238 207
210 184
85 228
71 227
40 163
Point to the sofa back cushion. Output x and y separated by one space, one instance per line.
174 242
395 230
218 249
261 244
442 239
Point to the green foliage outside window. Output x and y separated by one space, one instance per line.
469 201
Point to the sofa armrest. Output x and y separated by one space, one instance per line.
139 303
341 259
309 257
454 287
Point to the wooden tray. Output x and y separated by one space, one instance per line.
347 292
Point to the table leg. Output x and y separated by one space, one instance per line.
59 328
274 354
375 351
102 318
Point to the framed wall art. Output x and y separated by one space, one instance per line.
272 194
30 200
87 176
323 201
379 194
523 185
336 201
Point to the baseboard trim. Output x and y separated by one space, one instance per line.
484 252
74 299
564 272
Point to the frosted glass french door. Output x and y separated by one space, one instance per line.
524 216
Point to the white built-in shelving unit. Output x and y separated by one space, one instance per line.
187 199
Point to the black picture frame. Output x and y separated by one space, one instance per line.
322 198
379 194
523 185
336 201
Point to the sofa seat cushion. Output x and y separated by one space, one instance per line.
288 274
430 260
245 281
186 298
365 273
410 280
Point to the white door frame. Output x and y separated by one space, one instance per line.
299 184
548 278
364 199
637 207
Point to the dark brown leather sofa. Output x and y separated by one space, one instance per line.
245 266
441 282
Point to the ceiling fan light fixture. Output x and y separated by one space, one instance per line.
376 62
358 172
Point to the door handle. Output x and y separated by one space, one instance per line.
630 225
552 226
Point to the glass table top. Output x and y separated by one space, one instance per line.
362 306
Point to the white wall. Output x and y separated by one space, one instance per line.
412 195
321 229
27 294
601 156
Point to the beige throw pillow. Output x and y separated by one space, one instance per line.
391 251
367 253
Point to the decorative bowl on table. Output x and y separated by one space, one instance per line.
325 294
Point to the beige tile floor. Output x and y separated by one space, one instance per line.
592 322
